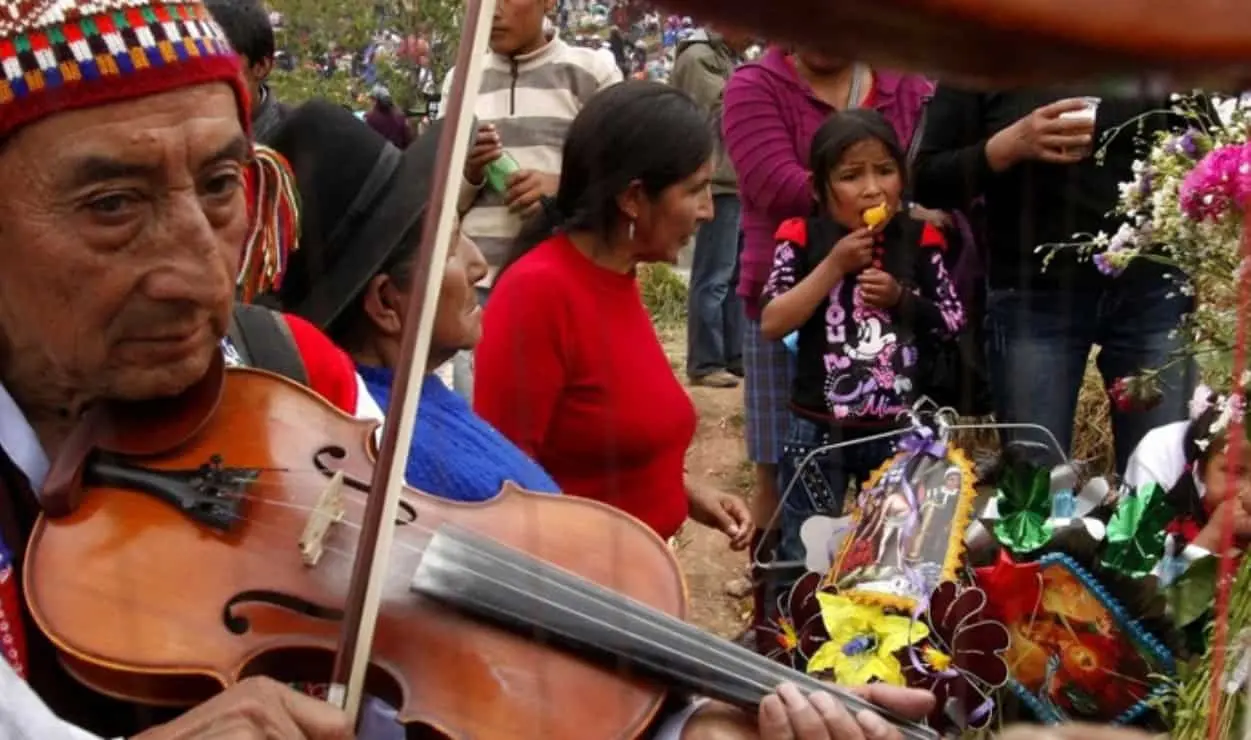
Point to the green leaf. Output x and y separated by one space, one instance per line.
1024 503
1191 595
1136 532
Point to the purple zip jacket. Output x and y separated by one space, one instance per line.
769 118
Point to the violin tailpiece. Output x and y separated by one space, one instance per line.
329 510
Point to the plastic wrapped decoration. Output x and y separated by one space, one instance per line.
886 598
909 522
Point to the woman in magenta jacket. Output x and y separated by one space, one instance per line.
771 109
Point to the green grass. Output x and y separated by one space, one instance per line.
744 480
664 294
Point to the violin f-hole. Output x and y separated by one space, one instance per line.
239 624
327 460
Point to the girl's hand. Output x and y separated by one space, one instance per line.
853 252
879 288
1209 538
725 512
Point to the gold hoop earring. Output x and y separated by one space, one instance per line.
630 231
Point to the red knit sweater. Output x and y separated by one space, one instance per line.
570 369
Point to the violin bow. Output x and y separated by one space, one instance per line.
369 570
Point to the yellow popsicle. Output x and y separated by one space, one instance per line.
875 215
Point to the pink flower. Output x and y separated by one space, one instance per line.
1221 180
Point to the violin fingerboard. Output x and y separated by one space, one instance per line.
515 591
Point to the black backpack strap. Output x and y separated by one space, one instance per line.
914 146
263 341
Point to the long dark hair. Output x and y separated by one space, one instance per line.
840 132
643 131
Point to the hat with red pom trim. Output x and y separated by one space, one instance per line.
58 55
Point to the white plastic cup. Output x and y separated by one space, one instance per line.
1087 113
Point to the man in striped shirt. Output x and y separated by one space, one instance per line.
531 91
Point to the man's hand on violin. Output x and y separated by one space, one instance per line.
1074 732
257 709
789 714
724 512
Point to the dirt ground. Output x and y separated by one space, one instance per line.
713 572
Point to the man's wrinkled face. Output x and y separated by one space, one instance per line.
120 235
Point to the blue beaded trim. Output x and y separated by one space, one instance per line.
1145 641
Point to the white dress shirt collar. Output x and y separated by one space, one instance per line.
20 443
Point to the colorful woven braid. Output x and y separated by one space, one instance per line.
58 55
274 211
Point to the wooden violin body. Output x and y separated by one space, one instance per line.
149 604
1014 42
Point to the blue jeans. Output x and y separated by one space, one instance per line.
821 486
462 362
714 330
1039 343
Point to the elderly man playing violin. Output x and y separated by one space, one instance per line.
123 146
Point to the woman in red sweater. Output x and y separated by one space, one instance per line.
570 367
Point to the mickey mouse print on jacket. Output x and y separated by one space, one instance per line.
857 362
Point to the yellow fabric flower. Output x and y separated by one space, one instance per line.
937 659
863 642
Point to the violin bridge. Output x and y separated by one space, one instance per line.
328 511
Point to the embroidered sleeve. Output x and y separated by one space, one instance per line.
934 300
785 272
788 264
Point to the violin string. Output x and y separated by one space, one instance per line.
703 641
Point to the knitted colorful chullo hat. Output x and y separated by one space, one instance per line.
58 55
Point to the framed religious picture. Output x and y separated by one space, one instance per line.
908 528
1075 654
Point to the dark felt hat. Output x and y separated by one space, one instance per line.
361 201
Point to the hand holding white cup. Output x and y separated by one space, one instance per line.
1086 114
1056 133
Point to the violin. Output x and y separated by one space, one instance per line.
190 544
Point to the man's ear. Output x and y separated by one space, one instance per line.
382 306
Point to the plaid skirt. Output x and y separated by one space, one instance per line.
769 368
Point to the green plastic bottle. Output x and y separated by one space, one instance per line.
498 172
